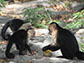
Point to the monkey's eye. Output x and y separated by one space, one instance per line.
49 30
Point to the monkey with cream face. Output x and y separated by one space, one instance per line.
65 41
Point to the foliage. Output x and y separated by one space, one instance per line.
2 4
58 22
82 0
35 16
82 47
75 25
67 3
79 21
53 1
79 15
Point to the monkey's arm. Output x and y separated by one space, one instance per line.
51 47
28 48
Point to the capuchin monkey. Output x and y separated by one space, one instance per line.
65 41
14 25
20 39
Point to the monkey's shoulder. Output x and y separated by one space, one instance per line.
20 33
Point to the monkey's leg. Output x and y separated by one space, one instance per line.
17 46
51 47
7 52
22 49
28 48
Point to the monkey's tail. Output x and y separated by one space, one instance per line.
3 31
80 55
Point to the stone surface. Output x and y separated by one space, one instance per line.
39 42
77 6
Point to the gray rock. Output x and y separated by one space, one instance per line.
80 35
77 6
40 31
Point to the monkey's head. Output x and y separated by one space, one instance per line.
31 33
53 27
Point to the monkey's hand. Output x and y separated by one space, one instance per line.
30 54
23 52
10 55
35 52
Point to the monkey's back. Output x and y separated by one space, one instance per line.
68 43
18 36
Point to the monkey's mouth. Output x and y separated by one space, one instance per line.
49 33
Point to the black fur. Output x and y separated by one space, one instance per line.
14 25
19 38
67 42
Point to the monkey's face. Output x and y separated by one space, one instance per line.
50 31
52 28
31 33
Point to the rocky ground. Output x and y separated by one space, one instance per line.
37 43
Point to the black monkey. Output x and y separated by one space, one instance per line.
20 39
14 25
65 41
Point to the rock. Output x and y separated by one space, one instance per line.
80 35
4 20
11 62
8 31
41 31
2 53
2 61
38 39
56 53
77 6
80 31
